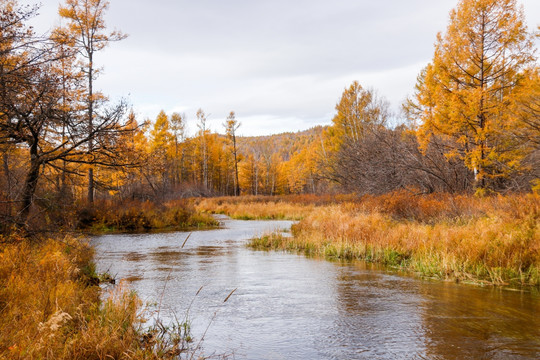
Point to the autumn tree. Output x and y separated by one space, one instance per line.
464 94
231 126
87 33
203 146
39 116
360 114
70 78
525 128
250 171
178 129
268 168
357 110
31 108
220 176
159 163
134 147
297 172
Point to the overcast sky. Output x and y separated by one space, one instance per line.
281 65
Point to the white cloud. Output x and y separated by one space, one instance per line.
281 65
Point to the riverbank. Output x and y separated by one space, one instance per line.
283 207
51 307
51 304
492 240
142 216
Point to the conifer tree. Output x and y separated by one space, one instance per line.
465 93
231 126
87 33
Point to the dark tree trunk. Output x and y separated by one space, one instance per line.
30 184
237 187
90 127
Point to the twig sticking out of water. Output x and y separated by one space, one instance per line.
210 323
185 241
191 303
228 296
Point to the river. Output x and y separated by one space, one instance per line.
287 306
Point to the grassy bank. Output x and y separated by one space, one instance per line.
50 307
137 216
291 207
490 240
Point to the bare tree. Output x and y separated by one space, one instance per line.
385 160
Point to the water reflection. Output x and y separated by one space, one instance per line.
468 322
291 307
378 315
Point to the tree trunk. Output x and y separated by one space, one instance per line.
29 189
7 174
90 128
237 188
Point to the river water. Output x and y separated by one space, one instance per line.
287 306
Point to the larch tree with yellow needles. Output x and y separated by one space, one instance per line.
87 33
231 127
36 115
178 129
465 93
357 110
161 147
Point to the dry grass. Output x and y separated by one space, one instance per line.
493 240
50 307
400 205
250 210
290 207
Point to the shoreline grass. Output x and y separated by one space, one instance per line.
51 304
261 207
487 241
51 308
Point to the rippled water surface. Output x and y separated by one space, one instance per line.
287 306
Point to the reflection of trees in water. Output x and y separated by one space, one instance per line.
166 257
381 316
466 322
377 316
171 256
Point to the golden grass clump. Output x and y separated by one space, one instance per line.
251 208
50 307
493 240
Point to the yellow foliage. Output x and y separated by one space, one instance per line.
467 92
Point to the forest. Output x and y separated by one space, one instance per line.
471 126
72 160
